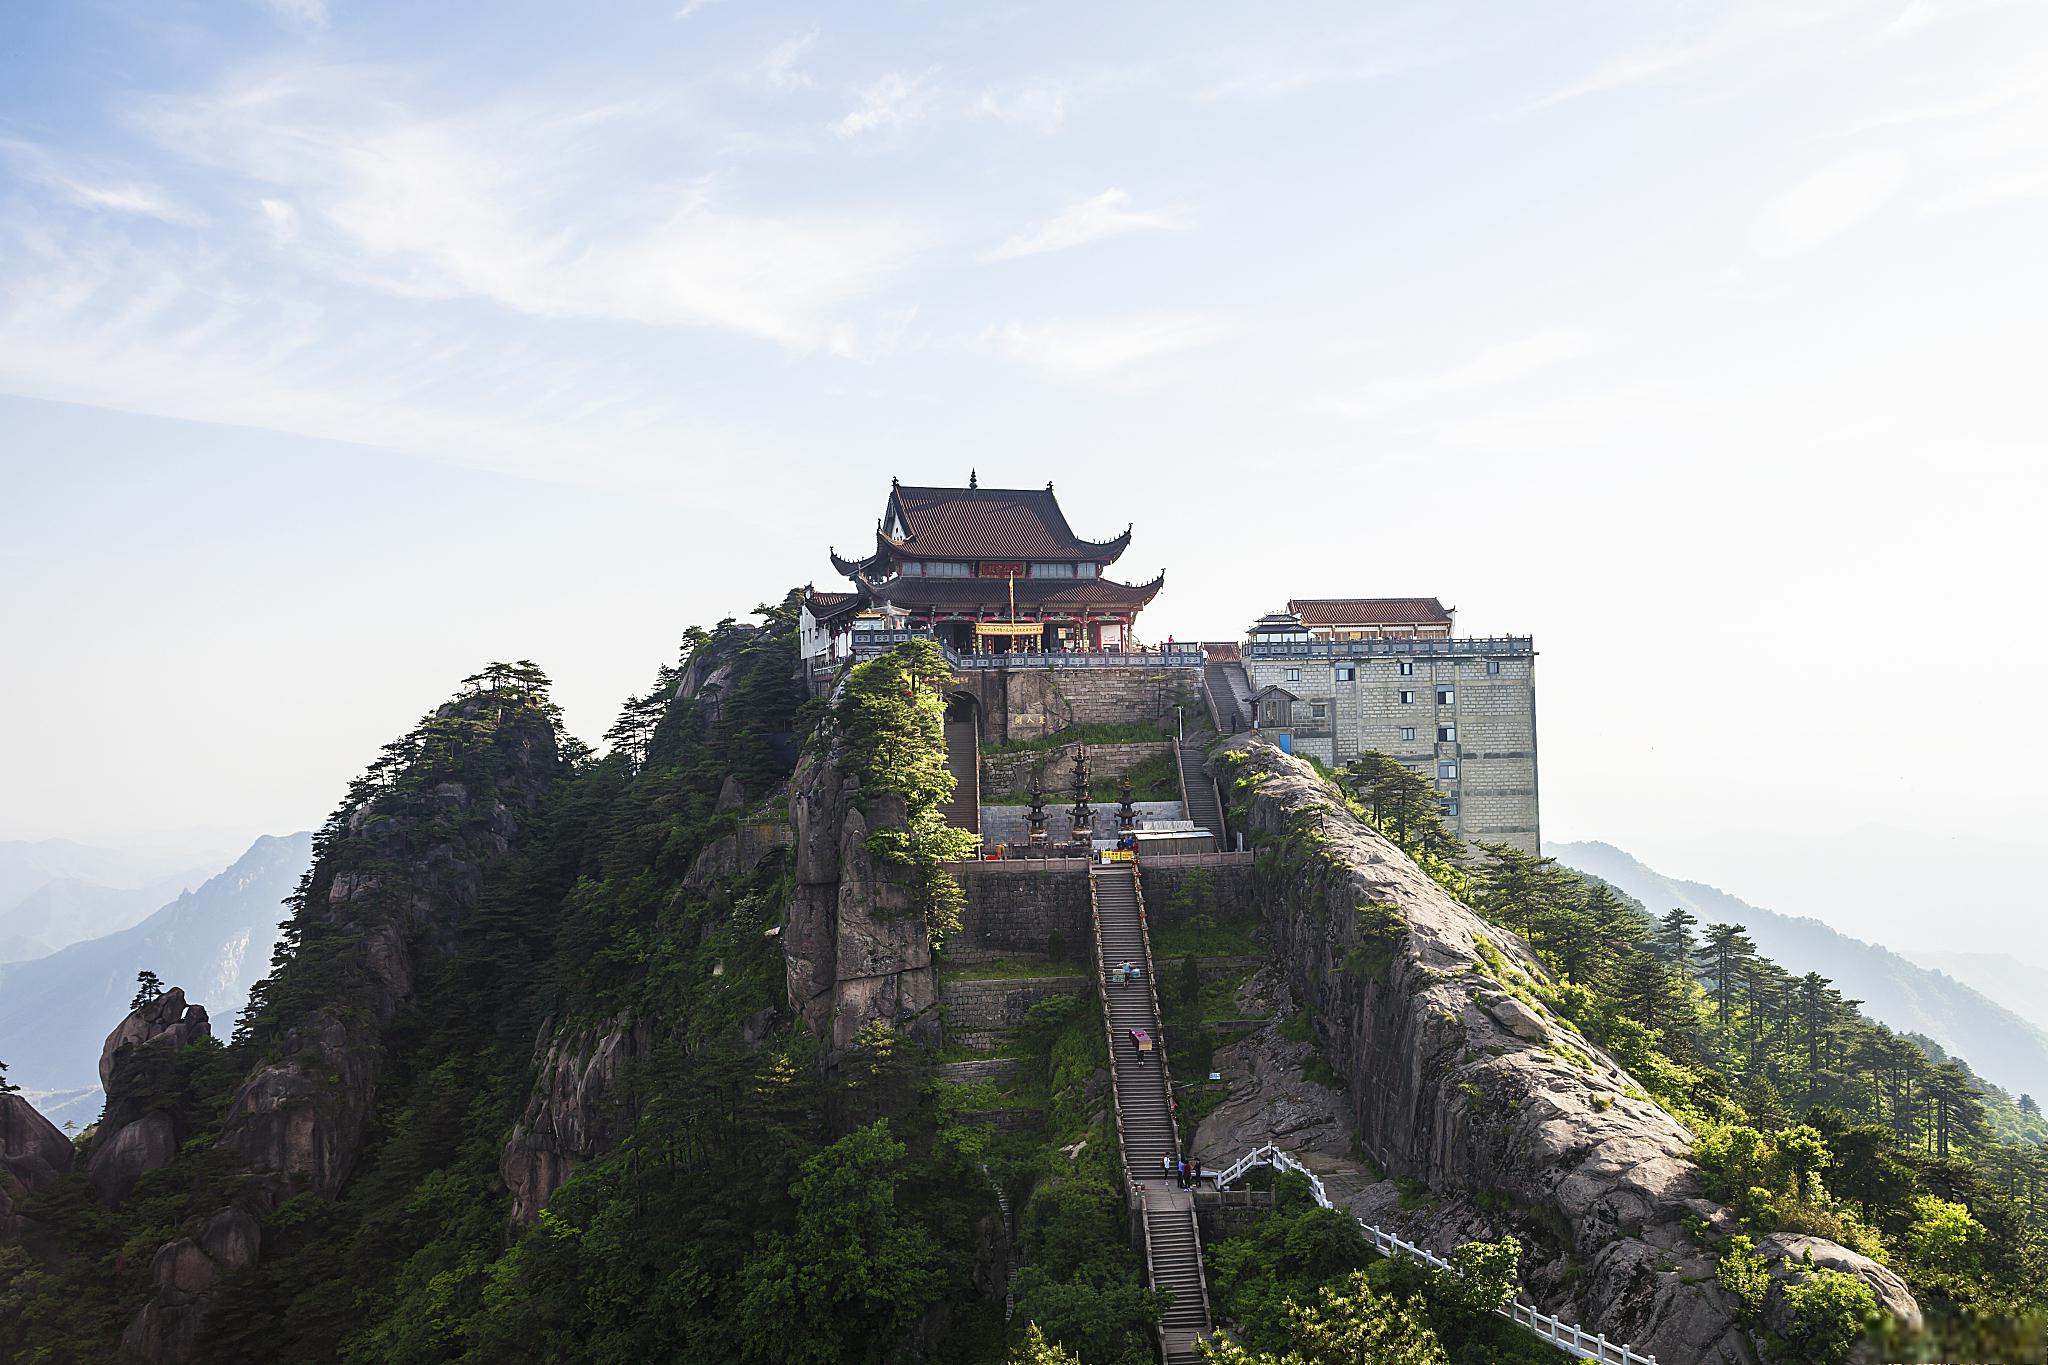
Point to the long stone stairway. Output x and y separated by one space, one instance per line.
1198 790
1230 693
1144 1109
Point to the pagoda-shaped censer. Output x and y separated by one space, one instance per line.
1037 818
1083 814
1126 810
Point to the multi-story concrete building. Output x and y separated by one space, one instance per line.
1462 711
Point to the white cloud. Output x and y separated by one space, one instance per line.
1491 367
1104 347
309 12
1038 106
1108 214
545 209
891 104
1828 203
1744 26
99 189
779 68
690 7
281 218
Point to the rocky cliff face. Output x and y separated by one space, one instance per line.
578 1108
134 1136
1514 1121
379 901
33 1154
855 946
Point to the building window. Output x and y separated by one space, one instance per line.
1052 571
1449 807
1347 673
1407 697
1448 769
1408 733
913 568
1406 668
1493 665
1084 571
1447 734
947 568
1294 675
1446 696
1318 710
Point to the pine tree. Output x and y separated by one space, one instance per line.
1721 958
7 1087
1674 938
149 988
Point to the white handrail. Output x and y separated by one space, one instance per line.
1566 1336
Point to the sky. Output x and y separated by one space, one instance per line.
346 346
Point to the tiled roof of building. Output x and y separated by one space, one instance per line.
825 605
1369 611
1031 592
991 523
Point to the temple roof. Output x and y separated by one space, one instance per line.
827 605
989 523
1034 593
1369 611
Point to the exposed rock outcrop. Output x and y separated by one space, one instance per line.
33 1154
855 947
382 901
166 1021
578 1109
1514 1121
134 1136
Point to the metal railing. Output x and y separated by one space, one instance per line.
1566 1336
1501 646
1220 858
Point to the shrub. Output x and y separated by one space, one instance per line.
1742 1272
1830 1313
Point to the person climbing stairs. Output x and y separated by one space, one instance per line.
1144 1106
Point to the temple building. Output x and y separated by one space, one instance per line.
1373 618
985 570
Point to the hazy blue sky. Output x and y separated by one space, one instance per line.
347 346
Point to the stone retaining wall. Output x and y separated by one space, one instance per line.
997 1006
1005 773
1014 913
1027 702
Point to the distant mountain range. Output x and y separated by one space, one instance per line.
1997 1042
2021 987
54 892
56 1010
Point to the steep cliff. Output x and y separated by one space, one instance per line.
395 869
33 1156
140 1130
1512 1119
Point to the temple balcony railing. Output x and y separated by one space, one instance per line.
869 643
1491 647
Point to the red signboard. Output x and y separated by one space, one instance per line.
1000 568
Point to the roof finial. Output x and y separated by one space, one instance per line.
1048 485
973 479
895 482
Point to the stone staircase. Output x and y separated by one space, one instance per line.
1144 1108
1230 692
1198 791
963 760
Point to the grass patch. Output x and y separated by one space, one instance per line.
1205 936
1126 732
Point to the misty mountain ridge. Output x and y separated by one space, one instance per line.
1997 1042
215 941
67 910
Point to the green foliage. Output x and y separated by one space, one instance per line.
1080 1281
1831 1312
1943 1236
1742 1272
1351 1323
892 715
1036 1350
